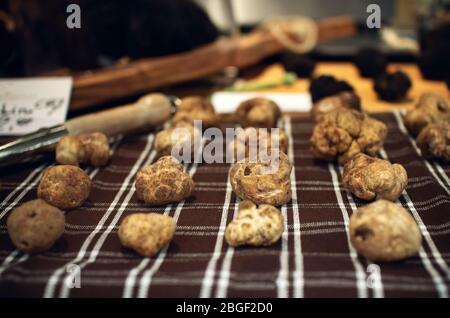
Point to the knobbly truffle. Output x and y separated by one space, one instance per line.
261 181
255 225
255 140
163 182
35 226
66 187
178 137
258 112
342 100
196 108
90 148
434 141
392 87
372 178
343 133
325 85
430 109
146 233
384 232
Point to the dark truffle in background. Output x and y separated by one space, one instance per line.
392 86
325 85
371 62
299 64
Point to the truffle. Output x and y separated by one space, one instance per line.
163 182
195 108
35 226
434 141
66 187
372 178
342 100
430 109
261 181
258 112
384 231
255 225
343 133
371 62
392 86
146 233
324 86
299 64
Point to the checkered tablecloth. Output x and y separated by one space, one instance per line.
313 259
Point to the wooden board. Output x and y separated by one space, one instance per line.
364 87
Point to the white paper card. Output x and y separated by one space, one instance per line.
227 102
27 105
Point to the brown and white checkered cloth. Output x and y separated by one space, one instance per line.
313 259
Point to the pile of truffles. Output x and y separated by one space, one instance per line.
343 133
381 231
429 121
36 225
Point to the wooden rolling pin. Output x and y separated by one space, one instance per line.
148 112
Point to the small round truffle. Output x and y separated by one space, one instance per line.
252 141
342 133
392 87
35 226
430 109
434 141
384 232
258 112
91 148
262 181
177 138
196 108
163 182
255 225
370 62
342 100
300 64
66 187
146 233
371 178
325 85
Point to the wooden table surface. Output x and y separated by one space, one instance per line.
364 87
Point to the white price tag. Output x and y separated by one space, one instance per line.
27 105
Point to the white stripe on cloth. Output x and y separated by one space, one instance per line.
282 280
377 285
224 275
208 279
402 128
360 274
298 256
54 278
436 277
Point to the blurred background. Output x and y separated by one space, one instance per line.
35 39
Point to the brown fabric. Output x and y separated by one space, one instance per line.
313 259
